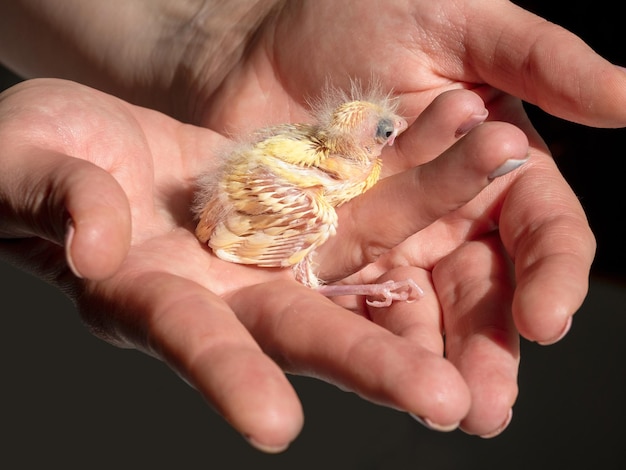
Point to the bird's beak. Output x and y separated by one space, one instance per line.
399 127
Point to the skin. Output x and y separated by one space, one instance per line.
123 175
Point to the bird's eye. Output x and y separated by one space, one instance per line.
384 129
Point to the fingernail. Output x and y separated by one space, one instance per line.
559 337
267 448
427 423
500 428
507 167
69 238
471 122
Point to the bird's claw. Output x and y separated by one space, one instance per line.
407 291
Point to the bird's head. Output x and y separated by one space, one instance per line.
367 125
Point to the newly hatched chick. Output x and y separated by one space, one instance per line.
273 201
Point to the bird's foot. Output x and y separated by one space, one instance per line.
406 290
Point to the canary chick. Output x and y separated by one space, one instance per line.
273 201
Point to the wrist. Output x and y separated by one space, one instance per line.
170 55
204 49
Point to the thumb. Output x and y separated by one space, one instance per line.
70 202
542 63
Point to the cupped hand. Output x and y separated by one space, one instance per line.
96 199
517 257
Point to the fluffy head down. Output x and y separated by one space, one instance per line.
324 107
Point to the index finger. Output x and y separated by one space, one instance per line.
195 332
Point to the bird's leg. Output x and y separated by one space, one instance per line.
406 290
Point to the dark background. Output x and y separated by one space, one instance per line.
72 401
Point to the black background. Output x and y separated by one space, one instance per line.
73 401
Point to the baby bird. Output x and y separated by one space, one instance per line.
273 201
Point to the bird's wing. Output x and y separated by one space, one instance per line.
272 221
298 144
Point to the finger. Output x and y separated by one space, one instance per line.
405 203
70 202
475 291
451 115
553 249
308 334
542 63
196 333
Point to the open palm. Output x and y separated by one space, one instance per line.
114 184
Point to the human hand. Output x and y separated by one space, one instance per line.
421 49
418 49
96 200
